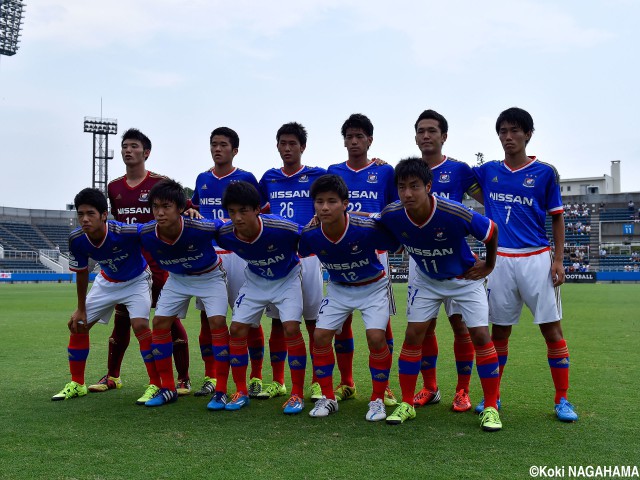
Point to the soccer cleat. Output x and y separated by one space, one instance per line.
389 398
208 387
274 389
255 387
218 401
565 411
294 405
461 402
403 412
184 387
106 383
426 397
376 411
163 397
480 407
324 407
490 420
315 392
148 394
344 392
239 400
71 390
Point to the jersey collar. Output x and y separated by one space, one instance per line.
533 160
434 202
224 176
346 228
360 169
253 240
104 239
294 173
444 159
179 236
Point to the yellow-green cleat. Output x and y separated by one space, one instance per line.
403 412
71 390
315 392
254 387
345 392
272 390
389 398
148 394
490 420
208 387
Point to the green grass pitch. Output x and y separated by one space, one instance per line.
106 436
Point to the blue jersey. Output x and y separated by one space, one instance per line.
209 190
118 254
439 246
273 253
452 179
370 189
191 254
352 258
288 195
518 201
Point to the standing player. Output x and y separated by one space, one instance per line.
124 279
433 231
451 179
207 195
371 187
346 246
128 200
269 245
184 247
518 193
287 189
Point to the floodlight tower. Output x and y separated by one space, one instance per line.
101 128
10 25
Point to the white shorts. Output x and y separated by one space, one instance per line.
209 288
425 295
523 279
234 267
384 260
311 290
372 300
104 295
257 292
450 307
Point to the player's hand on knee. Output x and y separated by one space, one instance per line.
77 319
479 271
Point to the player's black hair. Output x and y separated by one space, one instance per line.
241 193
412 167
135 134
329 183
293 128
518 117
233 137
358 120
93 197
433 115
169 191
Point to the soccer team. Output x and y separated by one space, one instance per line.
260 247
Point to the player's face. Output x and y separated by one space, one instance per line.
165 212
221 150
133 153
413 193
513 138
244 219
357 142
329 207
429 138
91 221
290 149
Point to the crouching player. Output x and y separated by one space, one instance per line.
346 245
269 245
124 279
183 247
433 231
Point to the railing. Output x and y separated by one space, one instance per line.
21 254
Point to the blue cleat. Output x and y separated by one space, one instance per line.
218 401
480 407
163 396
565 412
239 400
294 405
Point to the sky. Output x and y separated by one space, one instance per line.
177 69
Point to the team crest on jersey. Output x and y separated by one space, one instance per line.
439 234
372 178
494 179
304 178
144 197
529 182
445 177
354 248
